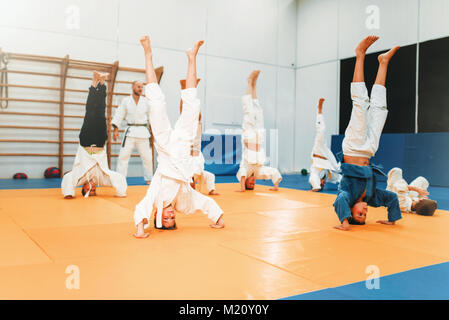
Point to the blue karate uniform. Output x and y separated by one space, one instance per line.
354 182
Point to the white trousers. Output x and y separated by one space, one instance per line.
260 172
205 181
181 195
143 147
367 120
316 174
405 201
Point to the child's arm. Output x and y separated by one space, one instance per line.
343 210
242 184
344 226
420 191
390 200
276 187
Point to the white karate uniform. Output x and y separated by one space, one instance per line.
253 132
135 136
204 179
92 168
322 168
367 120
398 185
171 182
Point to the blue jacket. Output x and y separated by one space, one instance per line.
354 182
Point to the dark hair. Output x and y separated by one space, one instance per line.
164 228
426 207
351 220
83 191
322 183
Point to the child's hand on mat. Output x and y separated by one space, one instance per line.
390 223
343 226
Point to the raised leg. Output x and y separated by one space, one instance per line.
149 68
160 124
356 131
378 112
191 80
188 121
252 84
320 128
360 52
384 59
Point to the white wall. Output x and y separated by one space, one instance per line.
239 36
296 44
329 30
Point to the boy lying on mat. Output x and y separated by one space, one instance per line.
412 197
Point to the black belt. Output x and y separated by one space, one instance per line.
133 125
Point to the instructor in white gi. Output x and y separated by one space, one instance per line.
170 188
135 110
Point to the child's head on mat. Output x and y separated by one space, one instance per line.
250 182
426 207
89 185
323 176
358 212
168 218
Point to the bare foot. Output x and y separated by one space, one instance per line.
183 84
390 223
385 57
360 50
213 193
320 105
68 197
316 190
192 52
145 42
219 224
252 78
148 182
103 77
274 189
95 79
341 227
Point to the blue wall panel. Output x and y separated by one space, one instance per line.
421 154
222 153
